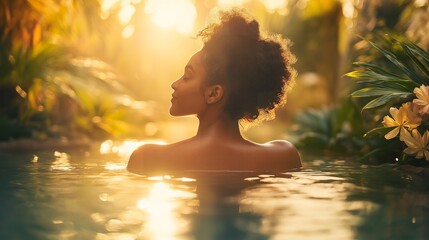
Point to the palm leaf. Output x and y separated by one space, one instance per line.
369 75
378 69
408 70
395 60
416 61
372 92
384 99
417 50
407 86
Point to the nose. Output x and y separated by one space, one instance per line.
175 84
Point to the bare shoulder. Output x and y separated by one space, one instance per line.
146 149
286 152
154 158
143 155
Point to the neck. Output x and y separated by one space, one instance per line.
221 126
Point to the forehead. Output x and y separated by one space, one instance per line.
196 60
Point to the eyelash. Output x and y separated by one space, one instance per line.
185 77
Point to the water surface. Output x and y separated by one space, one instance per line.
90 195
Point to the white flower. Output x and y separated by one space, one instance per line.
422 100
401 118
417 144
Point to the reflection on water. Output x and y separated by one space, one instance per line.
125 148
290 205
161 206
78 195
61 162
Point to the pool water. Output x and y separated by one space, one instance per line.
90 195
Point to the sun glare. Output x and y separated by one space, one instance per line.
163 206
175 14
126 13
231 2
273 5
125 148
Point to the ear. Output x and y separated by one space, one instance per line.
213 93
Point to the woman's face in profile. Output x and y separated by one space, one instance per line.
188 97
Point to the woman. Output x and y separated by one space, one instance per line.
237 75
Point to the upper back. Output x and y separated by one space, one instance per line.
192 154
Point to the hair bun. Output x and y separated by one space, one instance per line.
256 70
237 25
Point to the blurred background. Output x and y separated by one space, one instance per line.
102 69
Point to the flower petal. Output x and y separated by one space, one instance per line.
419 91
408 139
419 102
389 122
425 138
416 135
411 151
392 133
402 116
393 112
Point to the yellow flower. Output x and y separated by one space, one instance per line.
401 118
422 101
417 144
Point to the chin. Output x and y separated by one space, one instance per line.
173 112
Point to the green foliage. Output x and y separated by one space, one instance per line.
389 84
405 69
340 131
330 130
51 90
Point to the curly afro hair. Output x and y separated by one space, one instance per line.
255 70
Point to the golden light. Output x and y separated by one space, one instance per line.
175 14
106 147
273 5
128 31
348 9
125 148
161 206
151 128
349 13
61 162
106 5
115 166
126 10
126 13
231 3
420 3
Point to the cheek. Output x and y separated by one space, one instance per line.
186 105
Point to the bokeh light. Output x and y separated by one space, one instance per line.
128 31
231 3
126 13
273 5
175 14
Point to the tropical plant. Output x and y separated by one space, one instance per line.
330 130
400 86
49 87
